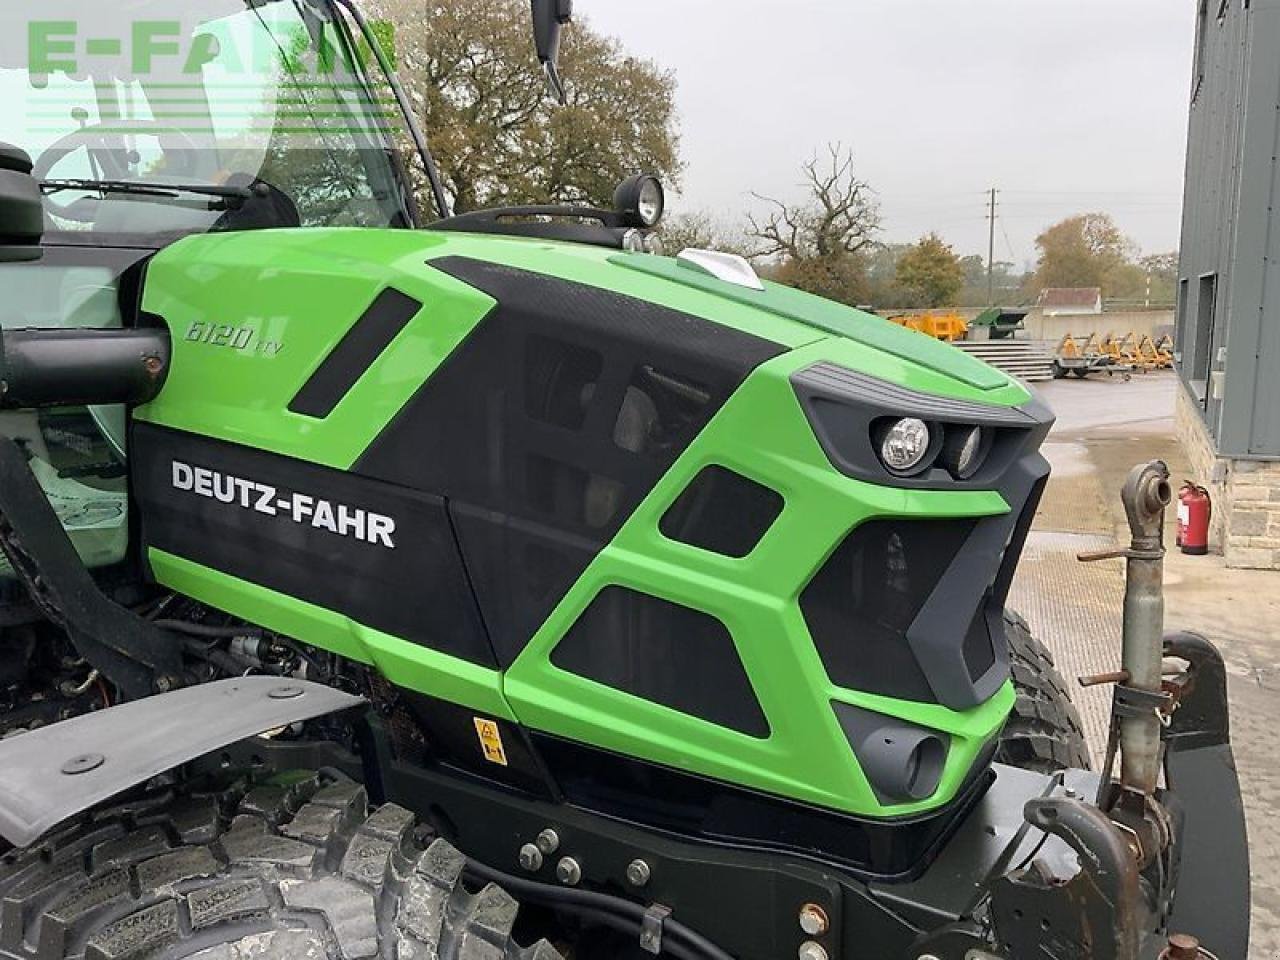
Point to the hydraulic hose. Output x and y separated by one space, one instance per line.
676 936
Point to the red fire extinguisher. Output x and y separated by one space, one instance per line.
1194 510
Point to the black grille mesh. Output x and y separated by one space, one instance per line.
723 512
863 600
665 653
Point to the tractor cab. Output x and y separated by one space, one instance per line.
151 121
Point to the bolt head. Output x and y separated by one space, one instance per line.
548 842
809 950
813 920
84 763
530 858
288 692
638 873
1183 947
569 872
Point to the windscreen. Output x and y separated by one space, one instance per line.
153 119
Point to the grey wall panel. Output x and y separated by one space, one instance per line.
1231 225
1258 247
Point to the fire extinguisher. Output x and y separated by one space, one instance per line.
1194 510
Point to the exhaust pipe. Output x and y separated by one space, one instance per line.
45 368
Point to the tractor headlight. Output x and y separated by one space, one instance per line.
905 444
963 451
641 201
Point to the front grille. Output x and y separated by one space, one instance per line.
864 600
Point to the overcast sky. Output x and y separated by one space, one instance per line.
1067 106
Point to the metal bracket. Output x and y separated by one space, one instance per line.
134 654
655 919
52 773
1131 702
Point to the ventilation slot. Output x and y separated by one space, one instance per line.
359 347
664 653
723 512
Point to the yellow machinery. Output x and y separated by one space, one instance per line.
1151 354
1081 356
941 326
1137 354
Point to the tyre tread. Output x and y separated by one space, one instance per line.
292 868
1044 731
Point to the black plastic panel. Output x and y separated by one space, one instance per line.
414 588
665 653
368 337
902 762
848 410
695 807
445 733
548 426
723 512
864 599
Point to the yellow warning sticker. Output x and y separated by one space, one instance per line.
491 741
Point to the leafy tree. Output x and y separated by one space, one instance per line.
1086 251
975 270
1162 266
470 70
881 266
930 272
840 277
822 242
1162 270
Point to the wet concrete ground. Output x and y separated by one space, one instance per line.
1104 427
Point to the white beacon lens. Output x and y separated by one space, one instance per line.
650 205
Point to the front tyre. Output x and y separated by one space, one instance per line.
297 868
1044 732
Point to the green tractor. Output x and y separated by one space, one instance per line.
381 583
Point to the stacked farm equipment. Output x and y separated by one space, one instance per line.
1082 356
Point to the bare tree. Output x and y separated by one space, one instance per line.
701 230
839 216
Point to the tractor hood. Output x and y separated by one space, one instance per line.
287 297
786 315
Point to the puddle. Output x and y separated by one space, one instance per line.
1067 459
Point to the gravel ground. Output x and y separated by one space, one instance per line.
1104 427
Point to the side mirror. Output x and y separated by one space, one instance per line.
549 17
21 207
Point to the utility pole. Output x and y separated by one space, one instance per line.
991 253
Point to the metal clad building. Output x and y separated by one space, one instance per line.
1228 324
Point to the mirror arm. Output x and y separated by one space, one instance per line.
555 83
